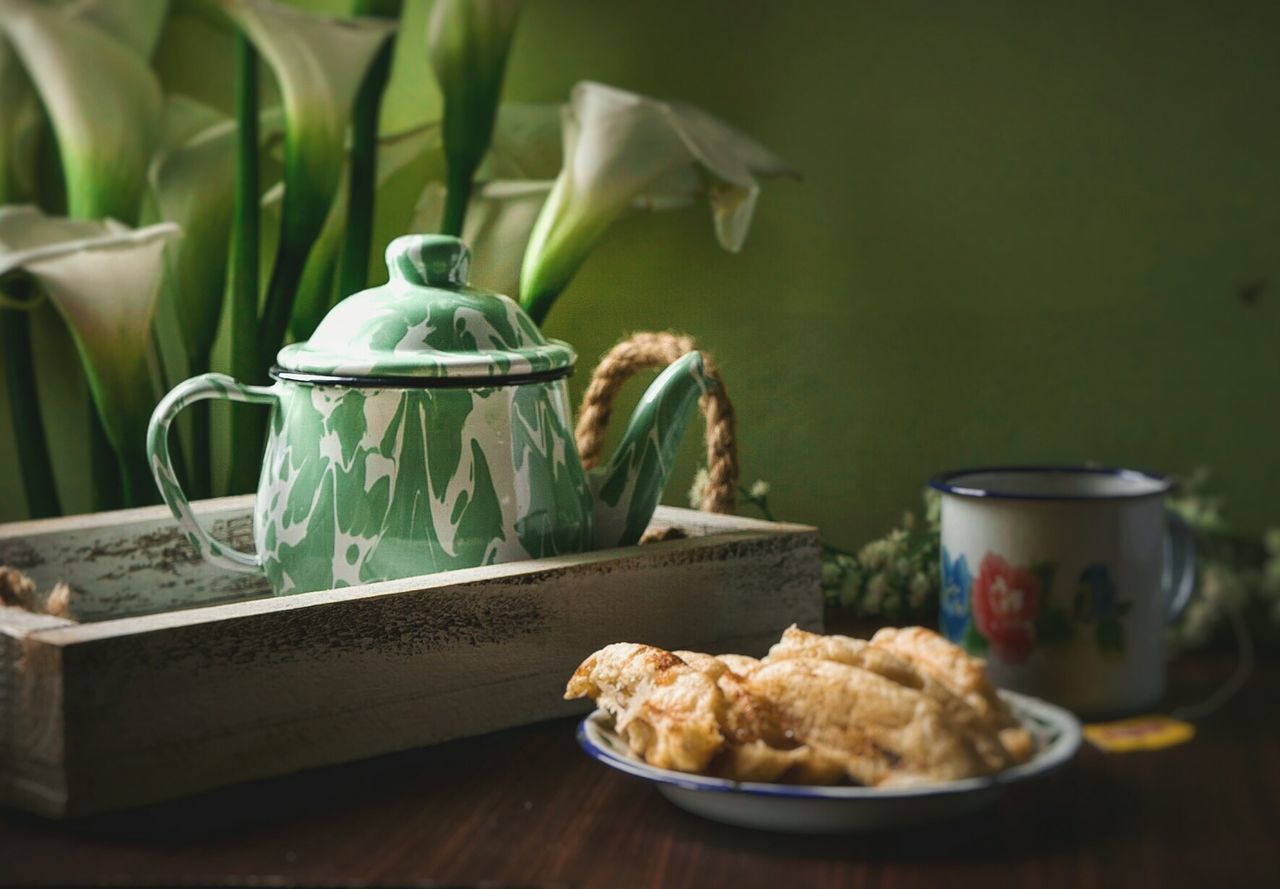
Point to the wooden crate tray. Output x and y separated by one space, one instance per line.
174 677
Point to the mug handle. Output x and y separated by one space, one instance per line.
1179 573
199 388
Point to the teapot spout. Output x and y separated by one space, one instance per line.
626 489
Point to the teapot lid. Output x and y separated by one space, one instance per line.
426 324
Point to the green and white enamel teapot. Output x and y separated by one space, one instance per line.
425 427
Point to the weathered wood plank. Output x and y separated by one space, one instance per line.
136 561
133 561
154 706
31 727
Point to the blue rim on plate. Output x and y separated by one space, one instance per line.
947 482
1057 732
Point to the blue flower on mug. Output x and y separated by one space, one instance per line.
1098 590
1098 603
956 580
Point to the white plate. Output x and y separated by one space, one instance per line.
801 809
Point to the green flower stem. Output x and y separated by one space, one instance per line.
137 481
24 411
468 42
105 487
458 182
146 491
248 427
353 266
282 288
539 304
200 482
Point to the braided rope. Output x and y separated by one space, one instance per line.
647 350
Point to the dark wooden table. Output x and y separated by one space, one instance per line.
526 808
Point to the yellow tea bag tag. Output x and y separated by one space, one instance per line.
1152 731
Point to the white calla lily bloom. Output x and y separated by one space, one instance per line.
103 101
319 63
467 44
622 150
103 277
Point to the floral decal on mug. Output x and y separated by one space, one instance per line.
1098 603
956 580
1007 609
1006 602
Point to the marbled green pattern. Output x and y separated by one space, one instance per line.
365 483
426 322
360 485
627 488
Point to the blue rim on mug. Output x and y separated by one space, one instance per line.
1156 484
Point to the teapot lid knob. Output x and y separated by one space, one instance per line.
429 261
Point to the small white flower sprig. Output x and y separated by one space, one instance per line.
1237 572
897 576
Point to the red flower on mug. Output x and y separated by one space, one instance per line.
1006 600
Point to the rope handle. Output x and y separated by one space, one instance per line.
654 350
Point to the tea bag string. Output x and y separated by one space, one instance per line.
646 350
1239 676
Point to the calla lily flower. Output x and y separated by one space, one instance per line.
192 185
319 63
103 277
138 25
526 143
19 117
467 44
102 100
192 181
622 150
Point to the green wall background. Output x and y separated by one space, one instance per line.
1022 235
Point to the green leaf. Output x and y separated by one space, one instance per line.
623 150
316 288
1110 637
1044 572
974 642
102 100
103 278
25 416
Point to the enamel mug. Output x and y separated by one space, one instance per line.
1064 579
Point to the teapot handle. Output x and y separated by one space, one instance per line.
205 386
